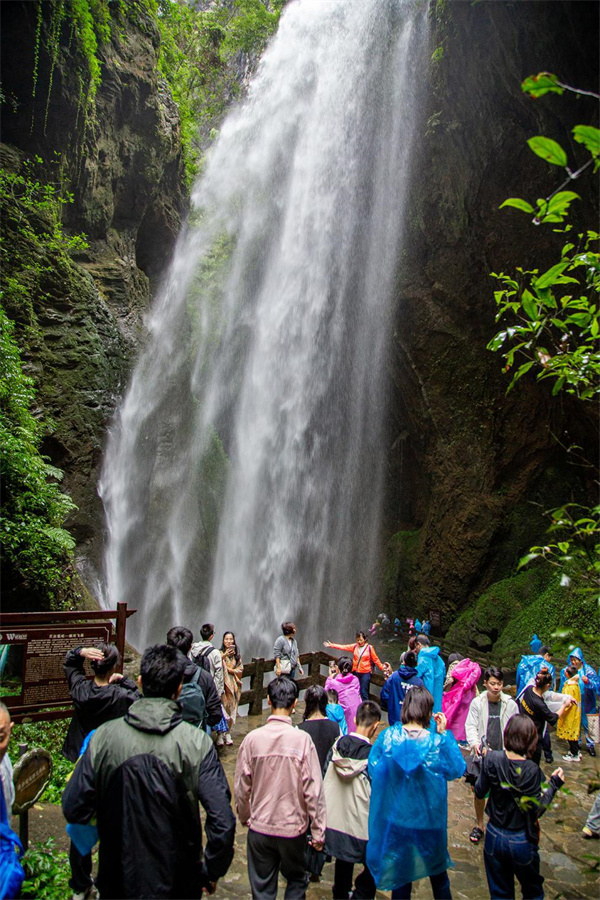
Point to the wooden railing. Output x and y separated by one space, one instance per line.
310 662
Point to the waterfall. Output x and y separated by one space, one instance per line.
244 471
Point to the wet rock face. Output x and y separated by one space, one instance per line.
468 462
123 165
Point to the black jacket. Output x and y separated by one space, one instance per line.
208 688
93 705
142 778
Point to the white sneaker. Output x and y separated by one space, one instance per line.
572 757
220 742
90 893
228 740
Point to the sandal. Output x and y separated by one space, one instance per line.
476 835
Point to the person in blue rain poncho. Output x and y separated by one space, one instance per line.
589 685
535 644
432 669
409 766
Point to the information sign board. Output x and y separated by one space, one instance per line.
31 775
31 658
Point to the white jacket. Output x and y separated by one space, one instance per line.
215 661
477 717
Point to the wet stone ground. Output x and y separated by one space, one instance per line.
570 864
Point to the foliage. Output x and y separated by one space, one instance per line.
47 872
198 49
35 546
49 736
553 326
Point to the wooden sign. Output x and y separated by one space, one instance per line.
31 662
31 774
435 618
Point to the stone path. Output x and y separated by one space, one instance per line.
570 864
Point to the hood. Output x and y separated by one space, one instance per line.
467 672
407 672
154 715
407 753
345 679
577 654
431 652
346 767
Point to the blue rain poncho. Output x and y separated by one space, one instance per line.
589 690
432 669
528 668
408 815
418 625
535 644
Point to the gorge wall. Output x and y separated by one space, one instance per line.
121 160
471 469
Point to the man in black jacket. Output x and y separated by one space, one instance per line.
141 777
182 638
108 695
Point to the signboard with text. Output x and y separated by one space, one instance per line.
31 661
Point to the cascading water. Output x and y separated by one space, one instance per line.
243 474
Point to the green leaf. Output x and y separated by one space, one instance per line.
548 150
561 201
530 306
518 204
589 137
558 385
550 277
543 83
527 559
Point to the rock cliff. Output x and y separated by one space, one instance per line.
120 157
471 469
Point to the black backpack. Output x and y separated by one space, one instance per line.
193 702
202 659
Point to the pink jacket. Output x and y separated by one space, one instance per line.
348 688
456 700
278 785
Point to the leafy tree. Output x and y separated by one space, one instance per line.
551 320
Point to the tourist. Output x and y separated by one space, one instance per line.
589 685
286 653
535 644
411 648
528 668
348 688
456 701
418 626
233 668
532 704
200 703
106 696
364 658
591 829
426 627
569 726
397 684
205 655
6 769
278 792
409 766
143 777
334 710
487 718
347 796
315 722
516 801
431 668
11 874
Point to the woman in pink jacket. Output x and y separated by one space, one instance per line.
348 688
457 699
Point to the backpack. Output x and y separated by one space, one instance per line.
11 851
202 659
193 702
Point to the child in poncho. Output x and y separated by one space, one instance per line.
569 725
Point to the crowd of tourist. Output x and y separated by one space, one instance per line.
336 787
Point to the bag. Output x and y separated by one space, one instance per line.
314 860
202 659
285 666
193 702
593 727
474 764
12 875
